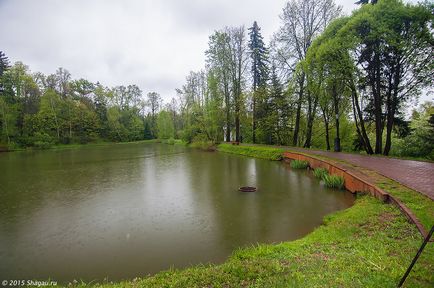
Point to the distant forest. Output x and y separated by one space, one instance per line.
324 81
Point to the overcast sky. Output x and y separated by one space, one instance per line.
151 43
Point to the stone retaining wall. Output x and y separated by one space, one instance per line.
355 183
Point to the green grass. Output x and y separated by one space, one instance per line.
320 173
262 152
333 181
78 146
368 245
419 204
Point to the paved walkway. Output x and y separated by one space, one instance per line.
417 175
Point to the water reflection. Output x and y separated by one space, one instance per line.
128 210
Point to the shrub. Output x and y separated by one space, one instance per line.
42 140
204 145
12 146
202 142
299 164
171 141
41 145
334 181
320 173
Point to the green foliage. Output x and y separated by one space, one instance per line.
420 142
12 146
69 111
42 140
299 164
203 145
333 181
333 72
165 127
362 58
170 141
320 173
200 141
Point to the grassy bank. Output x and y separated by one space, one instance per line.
76 146
368 245
263 152
79 146
420 205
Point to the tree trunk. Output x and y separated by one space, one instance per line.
310 119
389 127
254 118
391 107
238 100
365 138
228 116
359 134
228 125
327 135
326 125
337 146
376 89
237 124
297 118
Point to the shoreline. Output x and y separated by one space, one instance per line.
337 253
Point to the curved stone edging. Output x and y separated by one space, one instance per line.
355 183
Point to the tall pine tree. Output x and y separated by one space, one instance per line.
362 2
259 57
4 62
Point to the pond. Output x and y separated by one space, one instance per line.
128 210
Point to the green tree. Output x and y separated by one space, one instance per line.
302 21
49 116
154 103
4 63
279 110
238 65
392 44
420 142
259 61
165 127
219 60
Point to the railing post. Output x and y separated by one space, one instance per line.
416 257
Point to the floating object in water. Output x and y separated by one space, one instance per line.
247 189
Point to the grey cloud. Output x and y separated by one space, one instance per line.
151 43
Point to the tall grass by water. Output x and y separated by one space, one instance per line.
331 181
299 164
334 181
320 173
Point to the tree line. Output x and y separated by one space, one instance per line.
41 110
324 80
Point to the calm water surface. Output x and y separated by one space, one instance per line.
127 210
